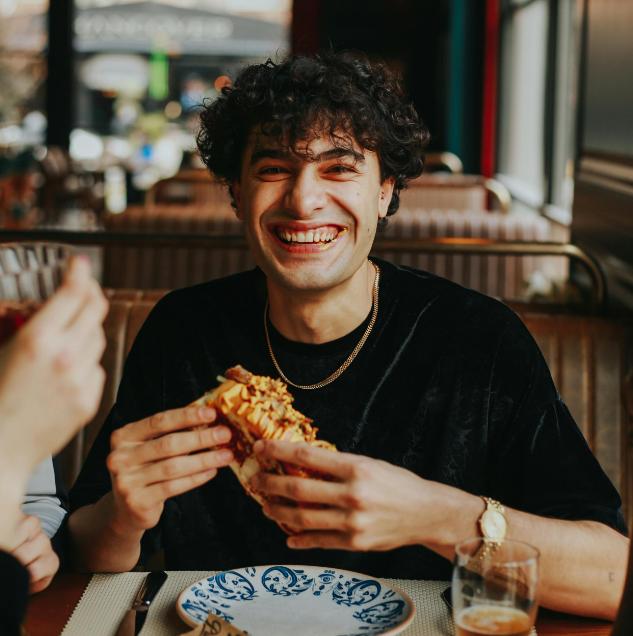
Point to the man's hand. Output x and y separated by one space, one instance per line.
371 505
35 553
151 461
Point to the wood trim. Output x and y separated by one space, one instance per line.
611 158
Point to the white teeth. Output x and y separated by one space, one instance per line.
310 236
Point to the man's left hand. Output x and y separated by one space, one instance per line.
369 505
36 553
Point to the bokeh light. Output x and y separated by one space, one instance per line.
173 110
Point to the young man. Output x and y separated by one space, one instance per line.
448 400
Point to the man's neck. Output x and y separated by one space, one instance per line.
323 316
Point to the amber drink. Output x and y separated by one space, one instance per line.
29 275
494 588
479 620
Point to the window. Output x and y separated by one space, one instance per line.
538 95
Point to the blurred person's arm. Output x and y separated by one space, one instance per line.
50 386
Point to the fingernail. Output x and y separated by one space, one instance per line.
266 511
225 455
292 542
258 446
255 485
207 414
222 434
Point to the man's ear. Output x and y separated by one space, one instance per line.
237 197
386 192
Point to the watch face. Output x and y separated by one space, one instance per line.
493 524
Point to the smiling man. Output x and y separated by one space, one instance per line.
438 398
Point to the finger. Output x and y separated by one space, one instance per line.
308 456
325 540
158 493
68 299
183 466
86 353
44 567
81 354
91 313
307 518
301 489
185 442
27 530
171 445
34 549
40 585
168 422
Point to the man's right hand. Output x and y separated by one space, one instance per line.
151 461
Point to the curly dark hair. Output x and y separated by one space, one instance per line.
344 95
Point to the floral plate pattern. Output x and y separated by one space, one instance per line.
282 600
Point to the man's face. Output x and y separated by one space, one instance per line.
310 224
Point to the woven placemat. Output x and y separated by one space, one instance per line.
109 596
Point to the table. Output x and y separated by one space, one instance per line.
49 610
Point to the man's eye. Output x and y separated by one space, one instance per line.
272 170
341 168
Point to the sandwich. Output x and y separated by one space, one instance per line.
257 407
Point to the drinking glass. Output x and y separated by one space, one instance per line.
494 587
30 273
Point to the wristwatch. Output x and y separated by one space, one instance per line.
494 527
493 523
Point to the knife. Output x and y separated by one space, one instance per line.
133 621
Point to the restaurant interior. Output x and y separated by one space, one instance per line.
526 194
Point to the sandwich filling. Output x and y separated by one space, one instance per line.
258 407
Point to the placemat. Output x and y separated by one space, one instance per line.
109 596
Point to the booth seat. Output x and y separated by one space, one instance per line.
589 358
149 267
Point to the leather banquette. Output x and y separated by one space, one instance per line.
589 358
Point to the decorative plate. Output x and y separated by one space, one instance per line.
282 600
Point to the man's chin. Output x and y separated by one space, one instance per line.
306 278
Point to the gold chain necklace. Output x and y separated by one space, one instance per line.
352 355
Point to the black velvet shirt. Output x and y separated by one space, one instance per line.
450 385
14 590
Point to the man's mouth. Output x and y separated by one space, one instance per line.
318 236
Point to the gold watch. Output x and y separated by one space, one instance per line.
493 523
494 527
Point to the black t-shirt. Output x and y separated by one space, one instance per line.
450 385
14 589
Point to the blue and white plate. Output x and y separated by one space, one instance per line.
282 600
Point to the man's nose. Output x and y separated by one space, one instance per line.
306 194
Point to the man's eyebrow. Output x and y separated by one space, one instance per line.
271 153
285 155
339 153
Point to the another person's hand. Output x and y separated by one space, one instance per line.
35 553
50 377
50 385
151 461
370 505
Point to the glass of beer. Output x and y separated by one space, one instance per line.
494 588
30 273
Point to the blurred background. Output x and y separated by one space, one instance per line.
529 105
527 194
